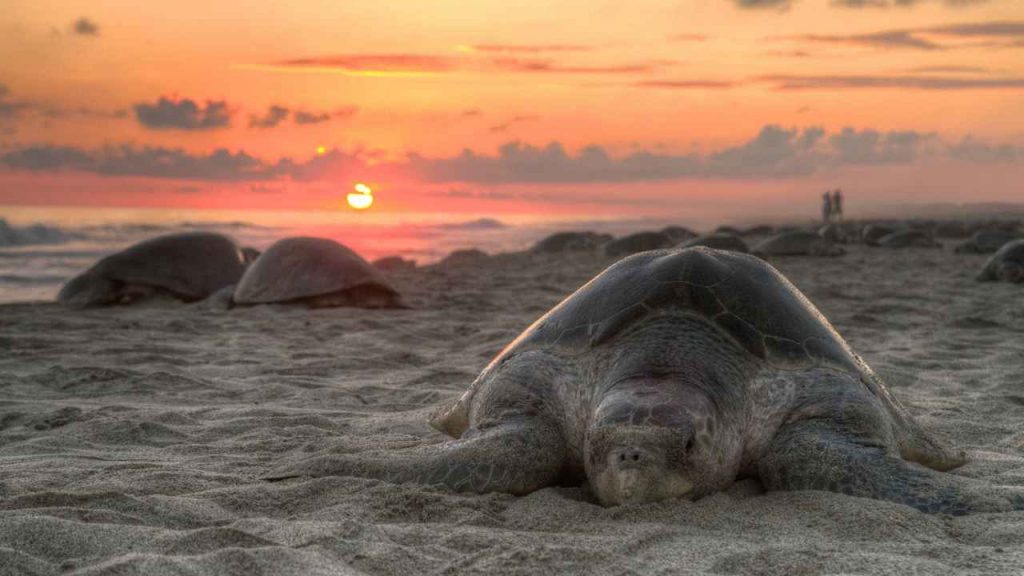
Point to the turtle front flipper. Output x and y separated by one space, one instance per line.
516 456
826 456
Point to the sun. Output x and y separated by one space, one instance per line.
362 198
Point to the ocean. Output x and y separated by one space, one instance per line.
42 247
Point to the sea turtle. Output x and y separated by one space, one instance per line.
639 242
725 229
1007 264
987 241
672 374
719 241
394 264
906 238
797 243
872 233
188 266
759 230
317 273
678 233
570 242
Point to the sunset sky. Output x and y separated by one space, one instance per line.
574 107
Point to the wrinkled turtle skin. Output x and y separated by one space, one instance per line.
672 374
316 273
187 266
1006 265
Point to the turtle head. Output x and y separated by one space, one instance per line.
87 290
645 447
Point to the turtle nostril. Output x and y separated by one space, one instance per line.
636 457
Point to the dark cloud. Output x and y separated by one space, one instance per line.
305 117
185 114
780 4
513 120
85 27
10 108
885 39
274 116
998 34
977 151
500 58
775 152
811 82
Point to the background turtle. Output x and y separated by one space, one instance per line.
570 242
719 241
315 272
639 242
797 243
1007 264
678 233
908 237
872 233
188 266
672 374
987 241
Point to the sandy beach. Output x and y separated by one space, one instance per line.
132 439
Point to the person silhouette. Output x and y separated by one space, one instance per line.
826 207
837 204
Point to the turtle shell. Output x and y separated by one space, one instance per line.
795 243
740 294
1010 253
302 267
190 265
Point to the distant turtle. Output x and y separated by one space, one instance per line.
728 230
719 241
570 242
872 233
987 241
1006 265
463 258
952 229
678 233
639 242
798 243
317 273
908 237
834 233
760 230
188 266
672 374
393 264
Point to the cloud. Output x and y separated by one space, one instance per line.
811 82
274 116
694 84
998 34
85 27
885 39
902 3
304 117
780 4
9 108
775 152
482 58
513 120
977 151
534 65
185 114
377 63
529 48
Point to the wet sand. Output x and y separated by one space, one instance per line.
132 439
